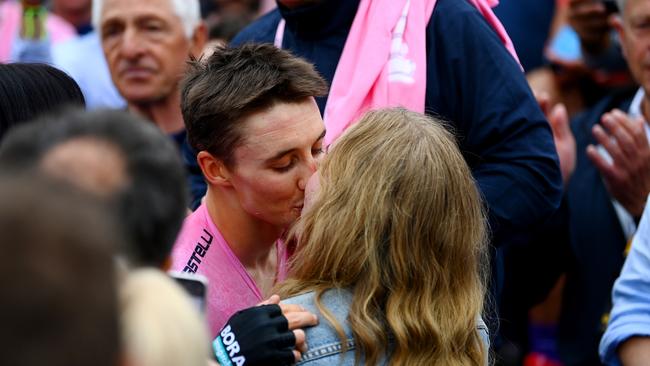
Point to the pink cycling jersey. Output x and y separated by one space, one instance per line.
200 248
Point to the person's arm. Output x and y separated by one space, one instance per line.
630 316
480 88
635 351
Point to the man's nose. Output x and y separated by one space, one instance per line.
310 168
131 46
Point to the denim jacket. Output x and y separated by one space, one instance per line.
325 347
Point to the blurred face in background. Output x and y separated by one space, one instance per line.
634 30
146 48
76 12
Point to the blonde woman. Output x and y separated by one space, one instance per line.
392 249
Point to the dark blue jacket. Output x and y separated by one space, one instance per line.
472 82
194 177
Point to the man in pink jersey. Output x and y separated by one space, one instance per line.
250 113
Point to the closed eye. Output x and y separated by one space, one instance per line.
285 168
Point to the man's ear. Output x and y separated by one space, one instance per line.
214 170
199 39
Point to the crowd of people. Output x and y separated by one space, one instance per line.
201 182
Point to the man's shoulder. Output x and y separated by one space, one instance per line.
458 34
334 300
456 14
260 31
194 241
447 7
195 229
323 339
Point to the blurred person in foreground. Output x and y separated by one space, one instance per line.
116 156
160 324
58 303
147 45
136 171
250 112
392 249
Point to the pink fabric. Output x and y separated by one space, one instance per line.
383 63
200 248
10 17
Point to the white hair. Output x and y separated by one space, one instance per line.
621 5
189 12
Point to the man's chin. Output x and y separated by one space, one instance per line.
142 97
287 220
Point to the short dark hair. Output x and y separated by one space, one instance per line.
152 204
234 82
58 294
28 90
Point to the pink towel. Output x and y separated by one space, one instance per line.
383 63
10 17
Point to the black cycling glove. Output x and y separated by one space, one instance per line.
255 336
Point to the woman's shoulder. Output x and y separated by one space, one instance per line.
336 301
323 340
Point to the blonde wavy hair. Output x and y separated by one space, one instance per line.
398 220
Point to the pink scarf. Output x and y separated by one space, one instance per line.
58 29
384 60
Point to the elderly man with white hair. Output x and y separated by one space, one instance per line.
147 44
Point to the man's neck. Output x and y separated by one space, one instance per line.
645 108
250 239
166 114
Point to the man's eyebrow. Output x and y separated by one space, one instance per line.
285 152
